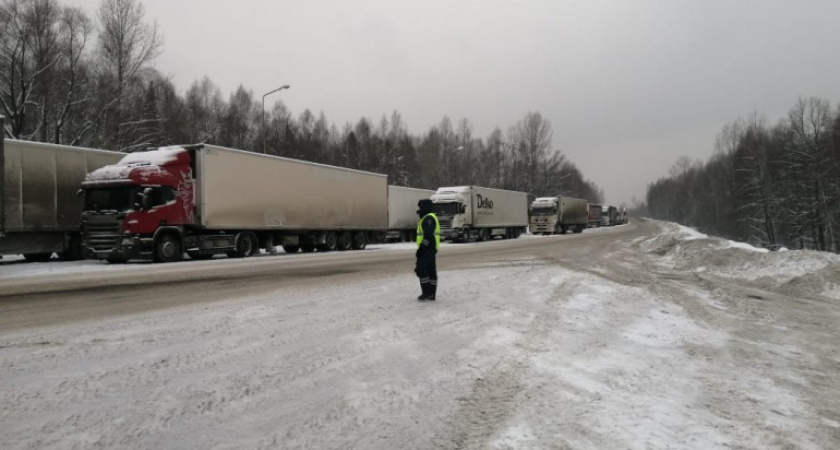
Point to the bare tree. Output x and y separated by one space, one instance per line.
531 139
74 88
810 122
127 45
28 56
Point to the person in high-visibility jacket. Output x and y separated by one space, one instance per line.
428 243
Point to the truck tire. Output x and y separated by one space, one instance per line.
359 240
307 247
246 245
37 257
291 248
330 242
345 241
167 248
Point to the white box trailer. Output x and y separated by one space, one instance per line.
40 211
472 212
402 212
204 200
245 190
550 215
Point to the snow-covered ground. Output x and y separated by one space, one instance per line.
668 340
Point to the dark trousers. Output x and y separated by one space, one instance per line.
427 272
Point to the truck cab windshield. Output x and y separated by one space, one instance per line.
447 209
119 199
543 211
126 198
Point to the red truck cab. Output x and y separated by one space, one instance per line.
139 207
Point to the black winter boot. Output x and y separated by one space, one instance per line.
425 288
432 290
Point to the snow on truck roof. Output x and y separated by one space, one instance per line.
160 157
151 160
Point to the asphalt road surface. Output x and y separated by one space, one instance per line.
58 299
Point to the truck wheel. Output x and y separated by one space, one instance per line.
246 245
579 229
345 241
467 233
37 257
564 229
330 242
359 240
307 247
291 248
167 248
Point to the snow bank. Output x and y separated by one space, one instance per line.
685 249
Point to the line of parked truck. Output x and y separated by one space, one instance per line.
202 200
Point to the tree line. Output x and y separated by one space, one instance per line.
67 78
771 185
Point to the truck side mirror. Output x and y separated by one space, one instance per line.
147 197
463 208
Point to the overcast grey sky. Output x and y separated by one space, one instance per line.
628 86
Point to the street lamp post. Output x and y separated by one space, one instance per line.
285 86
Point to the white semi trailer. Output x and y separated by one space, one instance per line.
477 213
402 212
551 215
40 211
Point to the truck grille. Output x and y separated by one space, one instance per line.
102 236
445 225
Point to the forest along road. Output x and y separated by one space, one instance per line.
623 337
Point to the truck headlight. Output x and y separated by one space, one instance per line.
127 241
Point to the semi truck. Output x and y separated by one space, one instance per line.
594 215
204 200
551 215
402 212
40 211
469 213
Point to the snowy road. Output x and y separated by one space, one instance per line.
640 336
